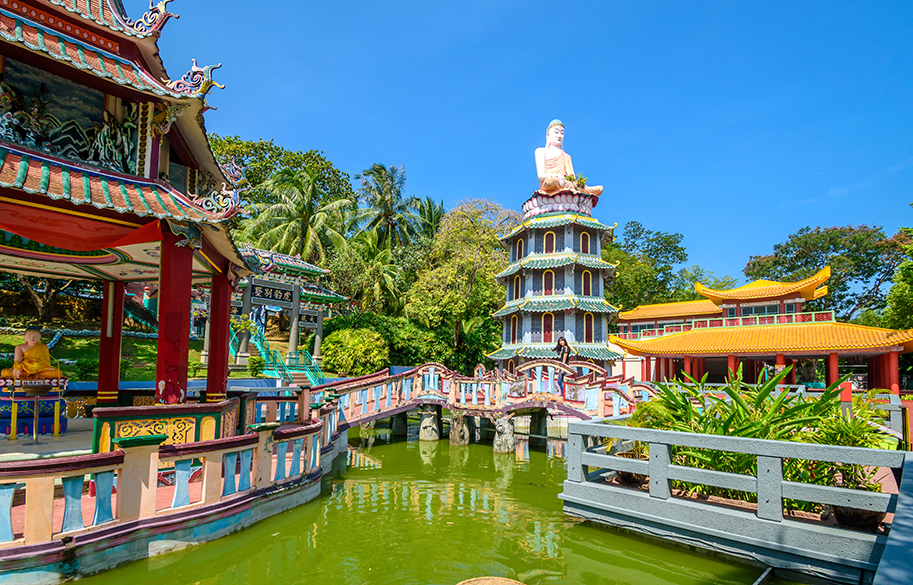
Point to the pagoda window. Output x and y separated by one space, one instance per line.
548 326
549 242
588 328
584 243
519 248
513 329
548 283
511 366
518 286
587 284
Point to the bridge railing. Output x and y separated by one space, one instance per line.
123 486
589 492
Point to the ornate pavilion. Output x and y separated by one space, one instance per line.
106 174
761 323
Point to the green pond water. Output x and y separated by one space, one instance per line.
404 512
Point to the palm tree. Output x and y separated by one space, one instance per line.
429 215
295 223
387 210
383 272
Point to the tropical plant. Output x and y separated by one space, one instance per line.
382 273
386 209
355 352
255 366
429 216
295 222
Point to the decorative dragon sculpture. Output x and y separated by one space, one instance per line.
149 23
226 202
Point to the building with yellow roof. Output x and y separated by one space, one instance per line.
761 323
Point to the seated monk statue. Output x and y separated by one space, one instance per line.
553 165
32 361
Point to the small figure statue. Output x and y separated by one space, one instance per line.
32 360
553 165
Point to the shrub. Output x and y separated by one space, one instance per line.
255 366
355 352
86 370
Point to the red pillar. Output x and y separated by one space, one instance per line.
688 364
649 374
219 317
732 366
112 324
894 372
791 378
174 320
703 368
643 369
832 370
870 372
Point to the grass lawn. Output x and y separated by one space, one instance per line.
141 353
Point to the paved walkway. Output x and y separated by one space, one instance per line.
76 441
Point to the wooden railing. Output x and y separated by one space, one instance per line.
783 319
123 485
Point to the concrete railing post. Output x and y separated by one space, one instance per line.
263 453
660 458
138 478
770 488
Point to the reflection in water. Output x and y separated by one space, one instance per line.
410 512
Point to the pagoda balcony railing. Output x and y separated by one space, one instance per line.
748 321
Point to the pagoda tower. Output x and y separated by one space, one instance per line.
555 281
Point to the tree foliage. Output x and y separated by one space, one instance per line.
862 261
262 159
645 261
355 352
295 222
459 290
681 286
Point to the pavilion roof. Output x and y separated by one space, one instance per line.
542 261
39 173
267 262
809 288
18 29
549 220
546 304
317 294
111 15
808 338
668 310
592 351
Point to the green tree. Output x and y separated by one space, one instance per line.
460 283
898 313
862 261
682 283
262 159
295 222
645 261
430 215
386 209
355 352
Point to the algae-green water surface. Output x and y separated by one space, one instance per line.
404 512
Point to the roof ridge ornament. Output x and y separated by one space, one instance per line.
150 23
195 83
227 202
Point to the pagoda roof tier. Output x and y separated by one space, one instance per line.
267 262
669 310
41 174
547 304
809 289
543 261
539 351
804 339
549 220
18 29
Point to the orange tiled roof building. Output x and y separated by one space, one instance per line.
760 323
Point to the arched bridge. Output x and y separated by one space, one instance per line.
577 389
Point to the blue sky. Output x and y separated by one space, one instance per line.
734 123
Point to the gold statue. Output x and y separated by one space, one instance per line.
32 360
553 165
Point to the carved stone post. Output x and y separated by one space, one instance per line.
139 477
318 338
399 425
263 454
459 428
430 429
504 441
244 339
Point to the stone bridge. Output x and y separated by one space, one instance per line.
539 387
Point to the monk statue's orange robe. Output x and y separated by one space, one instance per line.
561 166
34 365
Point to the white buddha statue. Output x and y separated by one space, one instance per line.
553 165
